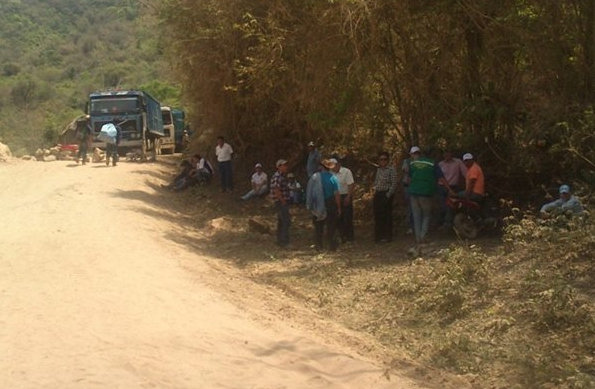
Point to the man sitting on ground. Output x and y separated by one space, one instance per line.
259 182
567 203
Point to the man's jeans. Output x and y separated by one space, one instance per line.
283 223
421 210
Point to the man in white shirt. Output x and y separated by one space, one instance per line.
346 186
223 151
259 182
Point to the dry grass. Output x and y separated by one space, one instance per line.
504 313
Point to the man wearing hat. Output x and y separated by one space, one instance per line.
424 173
474 180
313 161
280 194
346 186
259 181
332 202
566 203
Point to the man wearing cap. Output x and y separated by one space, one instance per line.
280 194
346 186
454 171
223 151
385 185
474 180
424 174
313 161
332 202
566 203
259 181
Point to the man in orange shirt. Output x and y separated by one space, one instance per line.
474 180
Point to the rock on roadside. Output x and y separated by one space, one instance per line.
5 153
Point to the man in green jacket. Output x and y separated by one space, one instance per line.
424 174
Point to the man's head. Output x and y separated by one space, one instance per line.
415 152
311 145
447 155
383 159
220 140
337 164
328 164
281 165
291 176
258 167
564 192
468 159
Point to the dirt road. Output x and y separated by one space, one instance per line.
93 294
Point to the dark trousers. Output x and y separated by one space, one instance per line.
82 153
331 227
346 220
111 150
226 175
383 216
283 223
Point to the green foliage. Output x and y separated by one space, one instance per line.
55 53
366 75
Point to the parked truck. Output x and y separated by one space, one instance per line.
136 112
179 127
168 141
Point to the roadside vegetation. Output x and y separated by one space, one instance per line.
515 311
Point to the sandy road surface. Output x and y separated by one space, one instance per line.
92 295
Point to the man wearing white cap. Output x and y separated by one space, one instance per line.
566 203
259 182
346 186
424 173
474 180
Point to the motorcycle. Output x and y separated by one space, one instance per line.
472 217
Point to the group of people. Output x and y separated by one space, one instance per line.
329 198
330 188
196 170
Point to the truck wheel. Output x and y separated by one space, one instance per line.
465 226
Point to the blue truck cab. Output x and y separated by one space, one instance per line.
136 112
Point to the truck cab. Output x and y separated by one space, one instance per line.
168 140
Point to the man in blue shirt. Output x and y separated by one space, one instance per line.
332 201
566 203
313 162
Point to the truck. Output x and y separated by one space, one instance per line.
179 127
136 112
171 128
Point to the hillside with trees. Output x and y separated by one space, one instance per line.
54 53
511 81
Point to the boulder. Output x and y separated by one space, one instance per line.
50 158
5 153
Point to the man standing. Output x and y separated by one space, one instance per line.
83 134
280 194
313 162
346 186
332 202
454 171
223 151
385 185
111 148
474 180
423 174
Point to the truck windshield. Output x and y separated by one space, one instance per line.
111 106
167 119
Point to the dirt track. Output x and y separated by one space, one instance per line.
94 293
